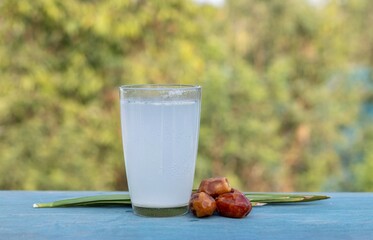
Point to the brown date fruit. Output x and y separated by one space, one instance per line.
202 205
233 204
214 186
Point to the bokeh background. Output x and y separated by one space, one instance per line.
287 89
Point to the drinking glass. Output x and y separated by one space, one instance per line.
160 128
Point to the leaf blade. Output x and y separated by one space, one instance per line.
258 199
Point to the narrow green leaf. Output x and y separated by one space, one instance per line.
123 199
258 199
283 198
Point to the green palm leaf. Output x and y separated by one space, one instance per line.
258 199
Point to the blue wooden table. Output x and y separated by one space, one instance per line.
344 216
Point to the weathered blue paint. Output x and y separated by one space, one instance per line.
344 216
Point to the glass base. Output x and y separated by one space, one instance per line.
160 212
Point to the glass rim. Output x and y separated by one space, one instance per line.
160 87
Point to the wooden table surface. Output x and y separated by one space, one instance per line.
343 216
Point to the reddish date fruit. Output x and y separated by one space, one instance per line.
233 204
202 205
215 186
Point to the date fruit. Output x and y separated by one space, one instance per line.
202 205
233 204
215 186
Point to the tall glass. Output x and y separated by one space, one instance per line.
160 126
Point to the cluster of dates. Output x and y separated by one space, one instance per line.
215 194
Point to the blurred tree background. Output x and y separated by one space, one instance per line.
287 89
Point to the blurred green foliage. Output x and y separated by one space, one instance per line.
279 103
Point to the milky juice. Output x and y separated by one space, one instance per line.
160 140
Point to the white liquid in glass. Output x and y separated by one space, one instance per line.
160 146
